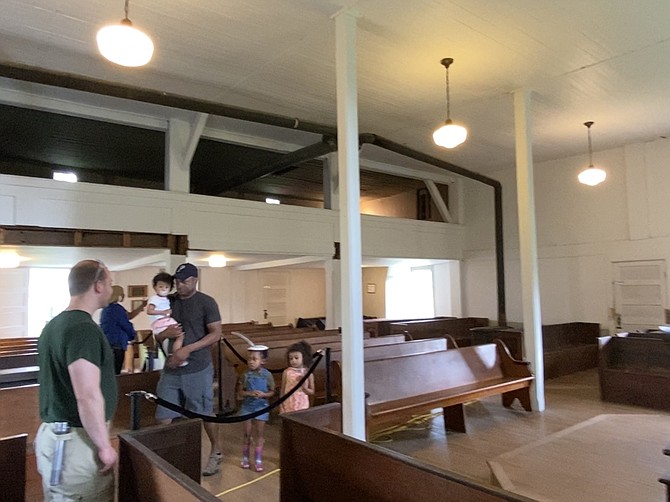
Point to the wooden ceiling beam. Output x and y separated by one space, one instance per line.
40 236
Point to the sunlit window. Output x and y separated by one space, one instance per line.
409 293
48 296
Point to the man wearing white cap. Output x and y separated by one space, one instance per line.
191 385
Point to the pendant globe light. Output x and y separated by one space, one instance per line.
124 44
450 135
591 176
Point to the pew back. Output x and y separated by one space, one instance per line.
13 468
635 370
373 352
344 468
403 377
162 464
458 328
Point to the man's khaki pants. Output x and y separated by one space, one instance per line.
81 480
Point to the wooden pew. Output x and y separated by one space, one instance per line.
382 327
280 334
13 468
27 418
20 367
400 387
230 326
635 370
320 464
458 328
162 464
511 337
666 478
21 343
370 353
18 361
277 352
276 360
567 347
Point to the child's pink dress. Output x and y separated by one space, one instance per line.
298 400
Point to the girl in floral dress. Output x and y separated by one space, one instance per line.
299 356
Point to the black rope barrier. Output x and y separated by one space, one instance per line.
140 342
242 359
235 352
242 418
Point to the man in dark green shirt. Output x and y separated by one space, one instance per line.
78 386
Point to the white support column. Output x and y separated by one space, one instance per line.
333 294
181 141
353 399
331 184
333 269
530 288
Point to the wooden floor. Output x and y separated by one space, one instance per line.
492 432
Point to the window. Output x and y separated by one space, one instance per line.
48 296
409 293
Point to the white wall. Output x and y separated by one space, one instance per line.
238 294
580 231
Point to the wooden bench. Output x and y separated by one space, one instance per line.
232 366
567 347
635 370
382 327
19 412
511 337
458 328
162 464
18 361
18 342
300 335
372 352
401 387
666 478
13 468
320 464
276 360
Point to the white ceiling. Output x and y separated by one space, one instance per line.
585 60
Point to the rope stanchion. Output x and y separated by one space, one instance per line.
329 382
228 419
135 400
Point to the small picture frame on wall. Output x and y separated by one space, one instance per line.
372 288
137 291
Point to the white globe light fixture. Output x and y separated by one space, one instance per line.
217 261
9 259
450 135
124 44
591 176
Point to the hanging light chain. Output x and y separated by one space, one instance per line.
446 62
447 91
125 9
588 126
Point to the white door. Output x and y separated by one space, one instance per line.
639 294
275 289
